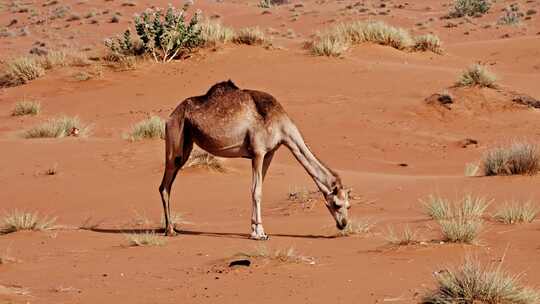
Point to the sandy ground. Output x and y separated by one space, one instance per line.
363 114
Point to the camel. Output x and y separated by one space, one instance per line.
231 122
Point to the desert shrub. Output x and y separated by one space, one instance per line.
20 220
515 212
153 127
26 107
407 237
428 42
517 158
57 127
62 58
164 36
511 15
469 207
271 3
250 36
356 226
213 32
460 229
473 283
145 239
328 46
202 159
477 75
469 8
21 70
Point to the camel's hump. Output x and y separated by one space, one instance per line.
222 87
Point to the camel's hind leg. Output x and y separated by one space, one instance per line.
178 148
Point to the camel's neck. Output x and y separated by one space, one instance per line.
323 177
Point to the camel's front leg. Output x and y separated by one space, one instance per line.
256 193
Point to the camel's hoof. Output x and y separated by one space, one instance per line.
263 237
170 232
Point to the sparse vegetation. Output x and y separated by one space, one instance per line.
145 239
473 283
511 16
473 8
213 32
515 212
175 218
153 127
407 237
477 75
202 159
472 169
470 207
250 36
20 220
428 42
288 255
460 229
517 158
26 107
21 70
334 41
164 36
356 226
58 127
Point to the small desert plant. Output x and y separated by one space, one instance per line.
213 32
460 229
250 36
517 158
469 207
288 255
328 46
407 237
473 283
511 15
26 107
153 127
58 127
202 159
163 35
61 58
20 220
355 227
513 213
428 42
145 239
266 4
477 75
472 169
21 70
470 8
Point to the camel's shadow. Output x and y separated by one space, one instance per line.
235 235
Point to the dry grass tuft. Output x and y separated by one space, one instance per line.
469 207
473 283
518 158
202 159
515 212
408 237
477 75
213 32
20 220
328 46
356 227
472 169
250 36
153 127
428 42
145 239
288 255
21 70
57 127
26 107
460 229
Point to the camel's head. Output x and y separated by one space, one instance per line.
337 203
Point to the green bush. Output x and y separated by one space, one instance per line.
164 36
469 8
